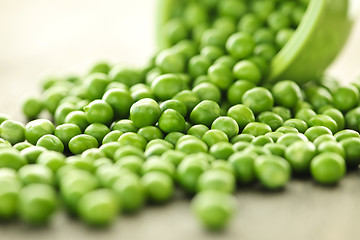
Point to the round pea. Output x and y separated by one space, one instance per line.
258 99
145 112
81 143
38 128
328 168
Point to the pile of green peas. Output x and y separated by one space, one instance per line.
199 117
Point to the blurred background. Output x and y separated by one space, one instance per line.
59 37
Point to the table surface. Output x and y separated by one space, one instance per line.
41 37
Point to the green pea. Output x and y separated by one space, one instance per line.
128 150
274 135
272 171
51 159
132 139
283 36
173 137
256 129
214 209
299 155
324 138
132 163
214 37
74 183
313 132
344 134
222 165
216 180
249 23
222 150
175 105
145 112
346 98
205 113
173 156
221 76
247 70
352 150
175 30
240 146
112 136
262 140
263 8
156 164
188 98
51 142
208 91
319 96
324 120
66 131
286 93
107 175
290 138
242 115
99 111
32 107
283 112
352 119
11 158
22 145
127 76
328 168
158 186
258 99
124 125
191 146
243 164
37 203
36 173
96 84
237 90
12 131
78 118
98 207
120 100
240 45
299 124
100 67
38 128
264 35
150 133
171 121
170 62
189 171
92 154
212 52
278 20
129 190
214 136
52 98
9 193
198 130
287 129
266 51
276 149
242 138
167 86
331 146
271 119
97 130
226 60
226 124
232 8
337 116
82 142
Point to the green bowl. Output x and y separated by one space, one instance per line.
317 41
